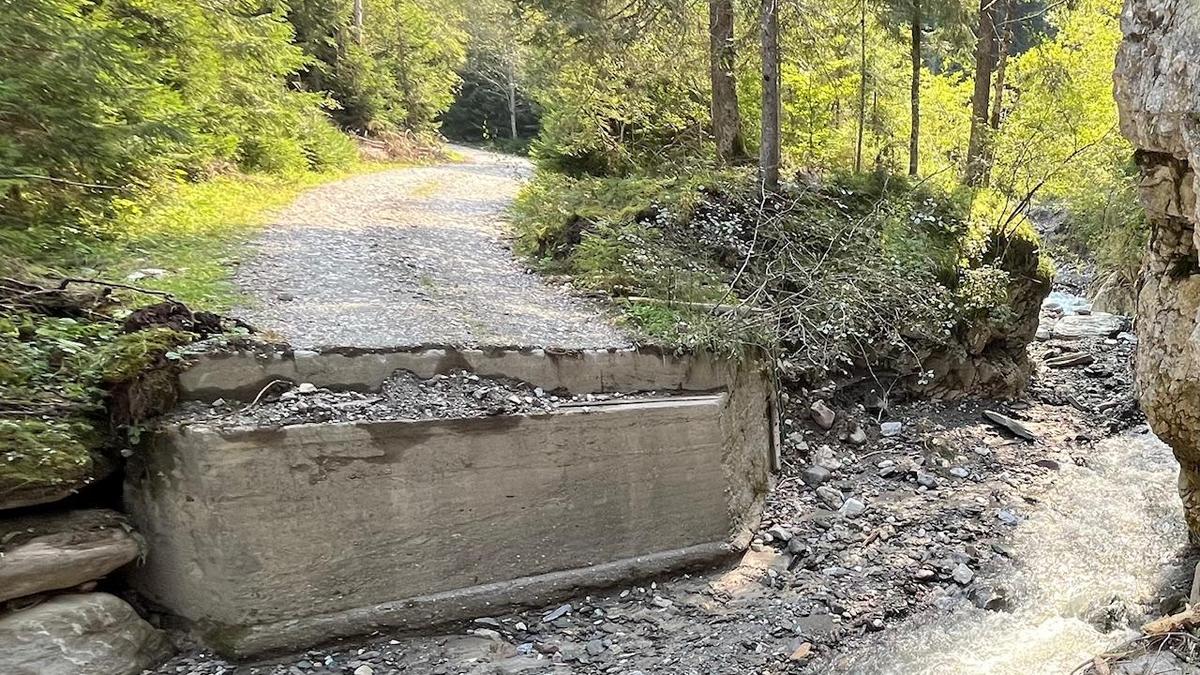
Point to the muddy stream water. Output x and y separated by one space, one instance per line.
1085 564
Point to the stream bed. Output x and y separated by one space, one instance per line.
1086 563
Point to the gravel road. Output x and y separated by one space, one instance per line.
406 257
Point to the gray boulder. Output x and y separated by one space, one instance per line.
82 634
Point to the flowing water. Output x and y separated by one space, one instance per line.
1104 536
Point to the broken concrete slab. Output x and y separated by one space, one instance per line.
79 634
52 552
328 530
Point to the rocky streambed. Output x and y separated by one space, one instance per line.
930 536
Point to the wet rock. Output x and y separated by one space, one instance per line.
82 634
814 475
822 415
986 596
45 553
1011 425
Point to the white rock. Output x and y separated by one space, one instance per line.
889 429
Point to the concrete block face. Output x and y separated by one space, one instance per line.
278 538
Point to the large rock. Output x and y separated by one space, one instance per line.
84 634
1097 324
1158 94
46 553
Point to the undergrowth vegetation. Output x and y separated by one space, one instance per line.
851 272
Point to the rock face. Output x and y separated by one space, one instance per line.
46 553
1158 93
86 634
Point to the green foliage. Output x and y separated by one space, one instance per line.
57 369
127 92
628 97
400 75
853 271
41 453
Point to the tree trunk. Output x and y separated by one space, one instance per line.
1006 38
358 21
726 120
769 152
862 84
914 94
512 101
976 167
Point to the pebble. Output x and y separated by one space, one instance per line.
306 388
779 533
926 479
557 613
889 429
814 475
858 436
364 670
962 574
852 507
959 471
832 497
595 647
822 415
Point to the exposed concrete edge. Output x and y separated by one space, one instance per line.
241 374
425 612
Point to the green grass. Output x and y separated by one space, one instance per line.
196 231
193 230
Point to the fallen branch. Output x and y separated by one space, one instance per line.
262 392
1188 618
62 286
61 181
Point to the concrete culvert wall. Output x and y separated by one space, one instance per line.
272 538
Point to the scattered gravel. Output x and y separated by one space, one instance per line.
407 257
404 396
